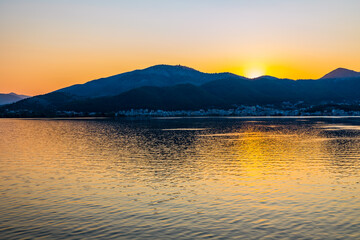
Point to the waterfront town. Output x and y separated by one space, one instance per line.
285 109
240 111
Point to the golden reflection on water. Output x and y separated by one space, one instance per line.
179 177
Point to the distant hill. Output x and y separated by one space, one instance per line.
10 98
341 73
157 76
202 90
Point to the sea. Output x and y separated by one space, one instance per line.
180 178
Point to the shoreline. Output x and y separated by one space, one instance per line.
184 117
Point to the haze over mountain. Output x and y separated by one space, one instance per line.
11 98
181 88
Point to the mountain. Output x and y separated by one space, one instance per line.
224 93
157 76
182 96
341 73
10 98
202 90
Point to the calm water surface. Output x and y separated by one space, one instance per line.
217 178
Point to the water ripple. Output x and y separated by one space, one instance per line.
180 179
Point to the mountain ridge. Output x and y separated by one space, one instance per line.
341 73
159 75
203 90
8 98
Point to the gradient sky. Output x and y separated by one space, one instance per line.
46 45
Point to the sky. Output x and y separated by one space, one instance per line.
46 44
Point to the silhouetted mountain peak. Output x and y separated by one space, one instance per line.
11 98
158 75
266 77
164 69
341 73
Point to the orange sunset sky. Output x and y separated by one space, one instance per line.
46 45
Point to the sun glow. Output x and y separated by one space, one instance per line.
254 72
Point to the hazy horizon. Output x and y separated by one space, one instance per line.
166 65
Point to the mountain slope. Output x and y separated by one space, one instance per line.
341 73
216 94
158 76
44 103
224 92
262 90
10 98
179 97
